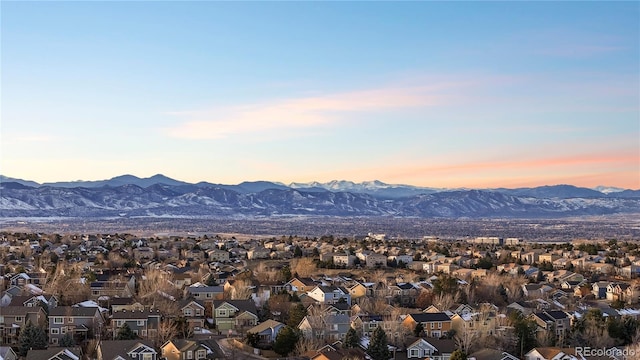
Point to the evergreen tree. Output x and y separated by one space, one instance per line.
67 341
378 349
297 251
458 355
418 329
502 292
286 273
252 339
525 330
285 341
351 339
296 314
125 333
31 337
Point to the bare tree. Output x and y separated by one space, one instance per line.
156 281
307 343
465 339
304 267
241 289
445 301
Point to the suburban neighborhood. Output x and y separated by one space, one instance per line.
120 296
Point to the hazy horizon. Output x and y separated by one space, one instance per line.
430 94
288 183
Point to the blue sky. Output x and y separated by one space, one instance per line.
443 94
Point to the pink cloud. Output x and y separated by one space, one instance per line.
313 111
617 168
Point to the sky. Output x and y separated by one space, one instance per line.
437 94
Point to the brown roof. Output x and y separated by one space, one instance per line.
113 348
135 314
62 353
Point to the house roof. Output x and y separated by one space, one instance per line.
443 346
73 311
18 310
241 305
428 317
205 289
55 354
268 324
491 354
113 348
136 314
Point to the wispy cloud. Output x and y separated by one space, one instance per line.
303 112
611 168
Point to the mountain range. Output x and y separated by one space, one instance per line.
161 196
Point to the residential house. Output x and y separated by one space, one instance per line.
548 320
346 260
365 324
7 353
435 324
55 353
185 349
431 348
126 349
327 327
550 353
330 294
238 315
300 285
205 293
329 353
120 304
194 312
374 260
81 322
258 252
357 290
143 253
267 331
218 255
144 323
491 354
404 293
12 318
479 322
535 290
112 288
616 291
599 289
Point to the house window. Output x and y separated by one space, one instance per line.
222 312
63 330
201 354
58 320
188 312
140 323
413 353
54 341
70 320
55 331
119 323
439 325
18 318
189 354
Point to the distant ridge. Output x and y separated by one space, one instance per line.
160 196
